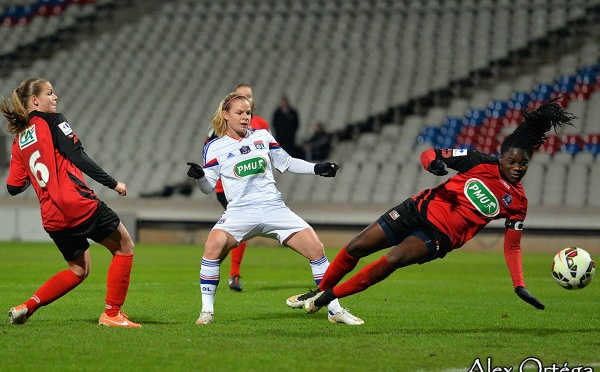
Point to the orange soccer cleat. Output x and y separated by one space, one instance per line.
120 320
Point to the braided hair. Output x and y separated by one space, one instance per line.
531 134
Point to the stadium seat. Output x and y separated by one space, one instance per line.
339 62
531 183
594 186
554 185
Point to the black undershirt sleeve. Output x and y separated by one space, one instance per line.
15 190
69 145
89 167
464 162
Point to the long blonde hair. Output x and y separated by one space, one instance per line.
218 122
15 109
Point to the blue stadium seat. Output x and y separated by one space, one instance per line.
496 109
518 100
474 117
428 134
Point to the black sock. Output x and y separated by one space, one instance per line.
325 298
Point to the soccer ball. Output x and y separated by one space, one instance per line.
573 268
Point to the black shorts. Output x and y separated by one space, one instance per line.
72 242
405 220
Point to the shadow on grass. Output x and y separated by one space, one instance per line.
511 330
143 321
292 287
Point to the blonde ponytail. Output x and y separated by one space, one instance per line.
15 109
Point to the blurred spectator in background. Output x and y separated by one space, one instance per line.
285 124
318 145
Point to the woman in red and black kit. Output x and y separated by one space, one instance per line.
237 253
438 220
47 154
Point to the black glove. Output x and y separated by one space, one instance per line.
437 167
528 297
195 171
326 169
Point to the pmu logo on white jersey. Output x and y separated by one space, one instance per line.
250 166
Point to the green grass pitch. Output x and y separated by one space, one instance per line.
440 316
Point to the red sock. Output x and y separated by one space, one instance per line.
369 275
52 290
341 265
117 283
237 254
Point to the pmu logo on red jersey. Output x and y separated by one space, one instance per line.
481 197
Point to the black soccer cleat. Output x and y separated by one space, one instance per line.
297 301
235 283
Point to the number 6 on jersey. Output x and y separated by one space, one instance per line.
40 170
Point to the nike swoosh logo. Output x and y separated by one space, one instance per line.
123 323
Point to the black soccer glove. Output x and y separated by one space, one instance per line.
326 169
528 297
195 171
437 167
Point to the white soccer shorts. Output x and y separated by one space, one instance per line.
272 221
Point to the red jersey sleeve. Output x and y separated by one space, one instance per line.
512 254
17 175
427 157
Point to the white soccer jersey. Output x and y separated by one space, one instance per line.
245 167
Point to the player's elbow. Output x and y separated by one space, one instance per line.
205 186
14 190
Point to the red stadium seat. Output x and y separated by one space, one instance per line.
552 144
581 92
534 104
563 101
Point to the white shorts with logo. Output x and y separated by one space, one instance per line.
273 221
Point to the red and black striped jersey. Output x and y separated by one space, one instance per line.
469 200
42 153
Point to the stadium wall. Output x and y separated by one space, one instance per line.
184 221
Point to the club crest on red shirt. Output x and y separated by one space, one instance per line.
506 200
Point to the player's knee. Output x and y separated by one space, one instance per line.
352 249
316 250
407 253
357 248
80 272
213 249
127 246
